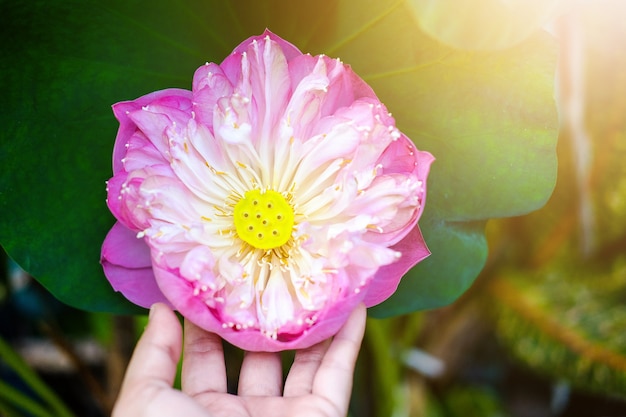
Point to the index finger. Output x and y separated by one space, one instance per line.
204 369
334 377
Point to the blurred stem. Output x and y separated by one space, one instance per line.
410 329
7 411
30 377
386 367
22 401
121 348
83 370
572 89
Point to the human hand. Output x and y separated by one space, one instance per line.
319 382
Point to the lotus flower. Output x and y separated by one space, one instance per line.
266 203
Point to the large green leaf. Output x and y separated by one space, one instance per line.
488 118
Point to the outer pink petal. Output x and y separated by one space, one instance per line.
231 66
127 266
172 97
181 294
387 278
154 121
114 187
288 48
123 248
344 86
269 85
424 161
209 85
398 159
141 153
124 209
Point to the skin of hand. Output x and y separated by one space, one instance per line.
319 382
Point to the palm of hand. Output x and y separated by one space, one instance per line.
318 385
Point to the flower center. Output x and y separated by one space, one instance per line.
264 219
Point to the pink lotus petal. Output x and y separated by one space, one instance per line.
122 247
127 265
327 326
386 280
288 49
210 83
172 97
270 200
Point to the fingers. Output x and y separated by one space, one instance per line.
156 356
303 370
261 375
336 372
204 369
152 368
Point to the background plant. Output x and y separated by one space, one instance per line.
481 101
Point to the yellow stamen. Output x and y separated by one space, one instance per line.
264 219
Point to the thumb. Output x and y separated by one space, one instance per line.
147 387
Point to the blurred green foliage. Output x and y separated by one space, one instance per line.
562 288
552 294
487 116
